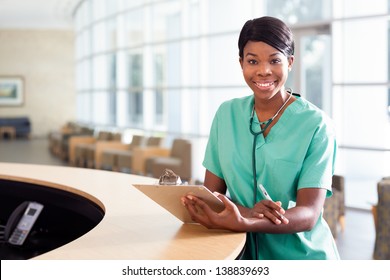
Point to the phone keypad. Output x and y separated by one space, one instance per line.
18 236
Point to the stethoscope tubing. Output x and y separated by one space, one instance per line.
255 134
254 173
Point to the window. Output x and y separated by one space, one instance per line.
167 65
300 11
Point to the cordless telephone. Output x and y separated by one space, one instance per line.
25 216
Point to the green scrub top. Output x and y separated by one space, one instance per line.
298 152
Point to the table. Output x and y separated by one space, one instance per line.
10 130
133 227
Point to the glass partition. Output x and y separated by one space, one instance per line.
167 65
360 51
298 12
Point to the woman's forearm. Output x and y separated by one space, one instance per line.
300 219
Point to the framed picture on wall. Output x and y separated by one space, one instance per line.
11 90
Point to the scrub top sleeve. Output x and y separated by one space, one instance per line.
211 159
318 166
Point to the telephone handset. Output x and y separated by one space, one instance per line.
21 222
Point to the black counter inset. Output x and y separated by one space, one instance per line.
65 217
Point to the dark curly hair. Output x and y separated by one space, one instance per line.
269 30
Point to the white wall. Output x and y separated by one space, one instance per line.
45 60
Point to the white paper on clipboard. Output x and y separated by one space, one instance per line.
169 197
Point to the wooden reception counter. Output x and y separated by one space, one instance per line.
125 223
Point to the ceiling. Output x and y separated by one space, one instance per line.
37 14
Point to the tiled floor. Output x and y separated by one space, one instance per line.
355 243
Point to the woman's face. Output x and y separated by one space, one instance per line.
265 69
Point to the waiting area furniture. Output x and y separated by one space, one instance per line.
15 127
179 160
381 214
125 159
94 151
77 154
87 151
104 149
7 131
59 139
110 155
334 208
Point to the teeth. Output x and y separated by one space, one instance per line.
264 84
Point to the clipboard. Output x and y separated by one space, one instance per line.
169 197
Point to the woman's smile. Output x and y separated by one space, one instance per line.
264 85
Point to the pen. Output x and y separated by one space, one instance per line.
264 192
267 196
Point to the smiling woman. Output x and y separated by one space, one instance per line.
295 167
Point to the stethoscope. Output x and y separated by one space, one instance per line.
266 124
256 134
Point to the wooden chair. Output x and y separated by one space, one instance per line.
125 159
94 151
59 140
79 145
110 155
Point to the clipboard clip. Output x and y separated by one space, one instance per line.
169 178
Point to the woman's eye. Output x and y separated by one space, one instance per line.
275 61
252 61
